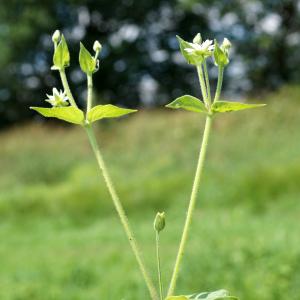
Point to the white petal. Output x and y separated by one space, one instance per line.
189 50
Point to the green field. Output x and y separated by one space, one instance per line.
59 235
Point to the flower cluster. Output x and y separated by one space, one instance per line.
197 51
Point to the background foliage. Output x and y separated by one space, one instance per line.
141 60
55 211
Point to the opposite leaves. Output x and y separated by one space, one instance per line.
189 103
225 106
61 57
69 114
107 111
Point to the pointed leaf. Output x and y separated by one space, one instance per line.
107 111
69 114
226 106
61 57
88 63
188 102
193 60
220 56
177 298
216 295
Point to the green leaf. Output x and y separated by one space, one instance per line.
88 63
69 114
216 295
107 111
177 298
188 102
61 57
220 56
225 106
191 59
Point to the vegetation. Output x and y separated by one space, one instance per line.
53 223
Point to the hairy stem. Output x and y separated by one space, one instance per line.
89 93
207 81
65 84
159 267
202 85
191 206
219 84
120 210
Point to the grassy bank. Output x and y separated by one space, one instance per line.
55 209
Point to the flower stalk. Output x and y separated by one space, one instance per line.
191 207
199 60
120 210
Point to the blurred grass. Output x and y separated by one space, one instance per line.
55 210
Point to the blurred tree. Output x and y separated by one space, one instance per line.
141 62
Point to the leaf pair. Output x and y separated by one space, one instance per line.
191 103
61 58
216 295
74 115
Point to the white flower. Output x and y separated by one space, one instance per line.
58 98
204 49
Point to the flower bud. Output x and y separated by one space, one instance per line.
226 44
97 46
159 221
197 39
56 36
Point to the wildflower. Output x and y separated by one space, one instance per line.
204 49
58 98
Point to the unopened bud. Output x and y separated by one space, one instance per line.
197 39
56 36
159 221
97 46
226 44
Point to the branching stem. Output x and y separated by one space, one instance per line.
89 93
207 82
65 84
219 84
202 85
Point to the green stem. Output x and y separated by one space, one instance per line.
65 84
159 267
207 81
191 206
89 93
202 84
219 84
120 210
